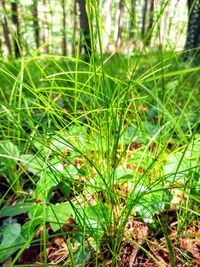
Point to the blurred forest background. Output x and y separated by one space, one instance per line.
65 27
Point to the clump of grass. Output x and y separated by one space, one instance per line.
90 142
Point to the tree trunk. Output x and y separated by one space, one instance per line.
6 30
36 23
46 28
144 13
84 25
64 37
193 29
151 17
75 28
108 25
163 26
172 16
119 24
15 21
132 20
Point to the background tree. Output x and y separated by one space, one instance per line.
45 22
6 29
132 19
46 27
36 23
163 25
15 21
75 28
144 14
151 17
64 37
84 25
193 29
119 24
108 25
172 16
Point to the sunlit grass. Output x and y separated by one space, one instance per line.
101 142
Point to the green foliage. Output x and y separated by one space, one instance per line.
181 165
86 147
17 209
11 236
9 156
86 143
58 214
94 219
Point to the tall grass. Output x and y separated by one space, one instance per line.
87 117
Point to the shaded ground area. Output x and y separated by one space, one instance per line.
141 245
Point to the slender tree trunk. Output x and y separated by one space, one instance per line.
151 18
144 13
64 37
50 20
108 25
132 20
193 29
163 27
75 28
15 21
6 30
172 16
46 28
84 25
119 24
36 23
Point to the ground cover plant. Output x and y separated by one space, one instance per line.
99 158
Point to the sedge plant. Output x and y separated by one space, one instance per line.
94 150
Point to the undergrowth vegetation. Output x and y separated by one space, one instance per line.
88 147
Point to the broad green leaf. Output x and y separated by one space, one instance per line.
51 174
179 165
9 151
42 145
58 214
36 218
93 218
151 203
193 150
32 163
59 145
9 155
16 209
55 165
45 185
10 233
55 214
11 240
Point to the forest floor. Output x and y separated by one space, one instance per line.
185 251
